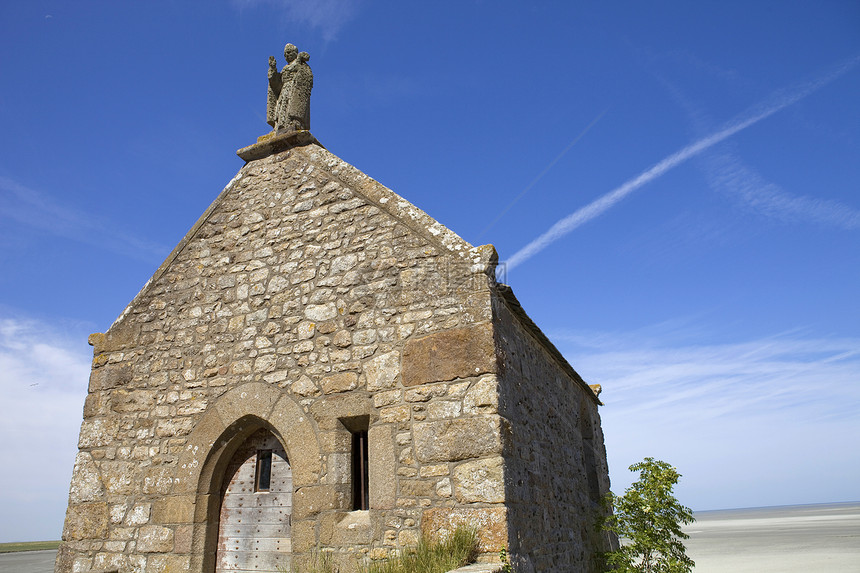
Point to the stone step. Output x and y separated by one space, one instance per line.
479 568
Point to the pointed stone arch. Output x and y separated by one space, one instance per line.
196 486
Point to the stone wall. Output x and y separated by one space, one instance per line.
292 305
556 468
312 302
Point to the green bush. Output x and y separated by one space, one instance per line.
648 520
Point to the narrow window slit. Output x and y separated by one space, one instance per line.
263 479
360 488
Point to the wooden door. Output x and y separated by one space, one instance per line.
256 503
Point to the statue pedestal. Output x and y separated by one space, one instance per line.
275 142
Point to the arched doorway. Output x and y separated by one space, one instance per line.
256 505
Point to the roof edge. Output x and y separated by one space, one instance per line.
483 258
162 268
506 293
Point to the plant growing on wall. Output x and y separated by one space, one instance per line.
648 520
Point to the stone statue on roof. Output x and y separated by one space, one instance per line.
289 94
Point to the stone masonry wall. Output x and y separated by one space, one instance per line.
306 297
556 469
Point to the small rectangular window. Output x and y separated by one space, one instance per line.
360 489
263 480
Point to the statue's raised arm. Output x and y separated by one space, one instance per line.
273 92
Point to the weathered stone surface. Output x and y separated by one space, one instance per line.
458 439
98 432
304 386
113 562
340 382
110 376
119 477
444 409
158 563
86 521
555 465
311 500
482 397
87 484
382 467
490 523
255 398
480 481
416 488
183 539
173 509
382 371
65 558
176 426
330 411
158 480
443 487
138 514
155 539
187 470
132 401
448 355
321 312
303 535
300 439
425 393
346 528
408 538
435 470
118 337
395 414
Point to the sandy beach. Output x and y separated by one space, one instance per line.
801 538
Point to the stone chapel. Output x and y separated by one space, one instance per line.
319 366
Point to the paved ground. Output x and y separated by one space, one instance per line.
790 539
28 562
793 539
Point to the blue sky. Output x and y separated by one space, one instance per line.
707 153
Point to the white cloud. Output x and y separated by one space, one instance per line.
41 211
727 173
43 381
760 422
328 16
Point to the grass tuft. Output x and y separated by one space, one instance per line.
460 548
320 563
430 556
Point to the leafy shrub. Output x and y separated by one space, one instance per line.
648 521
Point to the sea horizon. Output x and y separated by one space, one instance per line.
788 505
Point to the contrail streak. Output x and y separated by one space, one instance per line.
542 173
775 103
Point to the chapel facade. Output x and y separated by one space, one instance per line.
319 366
